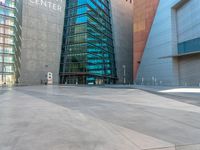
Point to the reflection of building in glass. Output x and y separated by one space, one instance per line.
10 41
87 51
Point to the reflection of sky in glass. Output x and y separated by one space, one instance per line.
81 19
2 1
90 40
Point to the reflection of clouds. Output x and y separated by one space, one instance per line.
2 1
182 90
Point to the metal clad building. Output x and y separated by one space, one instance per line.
122 19
171 52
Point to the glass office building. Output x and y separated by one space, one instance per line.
10 41
87 51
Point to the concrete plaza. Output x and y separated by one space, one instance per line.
96 118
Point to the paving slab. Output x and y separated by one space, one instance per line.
94 118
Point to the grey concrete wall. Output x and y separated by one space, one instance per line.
189 69
188 21
188 25
42 26
172 24
122 17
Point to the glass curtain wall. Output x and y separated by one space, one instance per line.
10 41
87 50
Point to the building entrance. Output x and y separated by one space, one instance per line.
7 80
75 80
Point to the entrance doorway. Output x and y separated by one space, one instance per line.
7 79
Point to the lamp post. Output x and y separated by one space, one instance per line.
153 80
46 71
5 74
2 74
124 70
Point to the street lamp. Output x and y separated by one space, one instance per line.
5 74
46 71
124 70
2 74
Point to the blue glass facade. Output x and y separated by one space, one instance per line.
10 41
189 46
87 51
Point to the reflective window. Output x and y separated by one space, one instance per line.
88 52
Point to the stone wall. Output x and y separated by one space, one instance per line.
42 27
